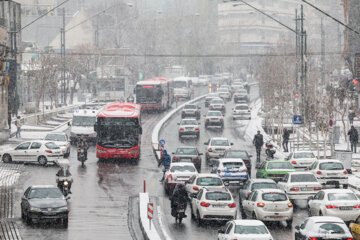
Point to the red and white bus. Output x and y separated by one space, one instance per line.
118 128
155 94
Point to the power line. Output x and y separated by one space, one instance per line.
328 15
44 15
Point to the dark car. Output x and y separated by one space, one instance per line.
188 154
241 154
190 110
44 203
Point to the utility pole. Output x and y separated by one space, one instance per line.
62 31
322 53
303 50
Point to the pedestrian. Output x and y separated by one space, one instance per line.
258 142
286 136
166 161
354 138
18 126
351 116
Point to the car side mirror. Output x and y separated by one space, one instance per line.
172 153
310 198
250 155
221 231
297 228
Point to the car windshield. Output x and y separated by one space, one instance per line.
280 165
214 114
331 166
219 142
209 181
217 101
51 145
186 168
222 90
331 228
190 107
274 197
304 155
179 84
241 107
218 196
235 154
55 137
232 164
188 122
186 151
46 193
263 185
83 121
341 196
241 229
303 178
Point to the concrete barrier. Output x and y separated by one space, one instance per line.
149 233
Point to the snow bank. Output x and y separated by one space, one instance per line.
150 234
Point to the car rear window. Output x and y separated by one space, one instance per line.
303 178
186 151
235 154
304 155
215 101
330 228
51 145
189 122
331 166
182 169
274 197
214 114
209 181
217 142
190 107
242 107
280 165
239 229
341 196
264 185
232 164
222 90
218 196
55 137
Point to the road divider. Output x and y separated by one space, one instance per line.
149 232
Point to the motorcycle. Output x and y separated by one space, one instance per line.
270 151
64 187
180 212
82 155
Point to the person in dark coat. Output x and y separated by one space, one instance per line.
286 136
258 142
179 196
166 161
354 138
351 116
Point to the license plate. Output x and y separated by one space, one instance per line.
218 206
346 208
188 128
186 159
275 217
332 174
117 156
233 181
306 189
181 210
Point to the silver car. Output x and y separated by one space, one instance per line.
190 110
214 118
217 104
189 127
240 95
210 97
188 154
242 111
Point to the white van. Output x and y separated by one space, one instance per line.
83 125
182 87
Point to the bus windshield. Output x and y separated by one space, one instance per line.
148 94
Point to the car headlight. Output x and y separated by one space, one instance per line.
63 209
66 183
35 209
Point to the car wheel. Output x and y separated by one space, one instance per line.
65 222
7 158
254 216
22 214
42 160
27 219
198 219
289 223
345 186
192 213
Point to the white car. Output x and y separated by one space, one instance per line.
299 185
214 118
231 171
224 94
242 111
240 95
62 140
323 228
210 97
342 203
244 230
302 159
179 172
201 180
330 172
213 204
189 127
217 104
268 205
216 147
32 151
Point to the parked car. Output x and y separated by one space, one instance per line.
188 154
40 151
210 97
216 147
240 154
217 104
254 184
302 159
241 111
268 205
213 204
274 169
179 172
299 185
189 127
62 140
330 172
341 203
214 118
323 228
244 230
44 203
201 180
231 171
191 110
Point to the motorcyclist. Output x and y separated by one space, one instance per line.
166 161
178 197
64 175
82 144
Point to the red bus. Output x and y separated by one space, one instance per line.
155 94
118 128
